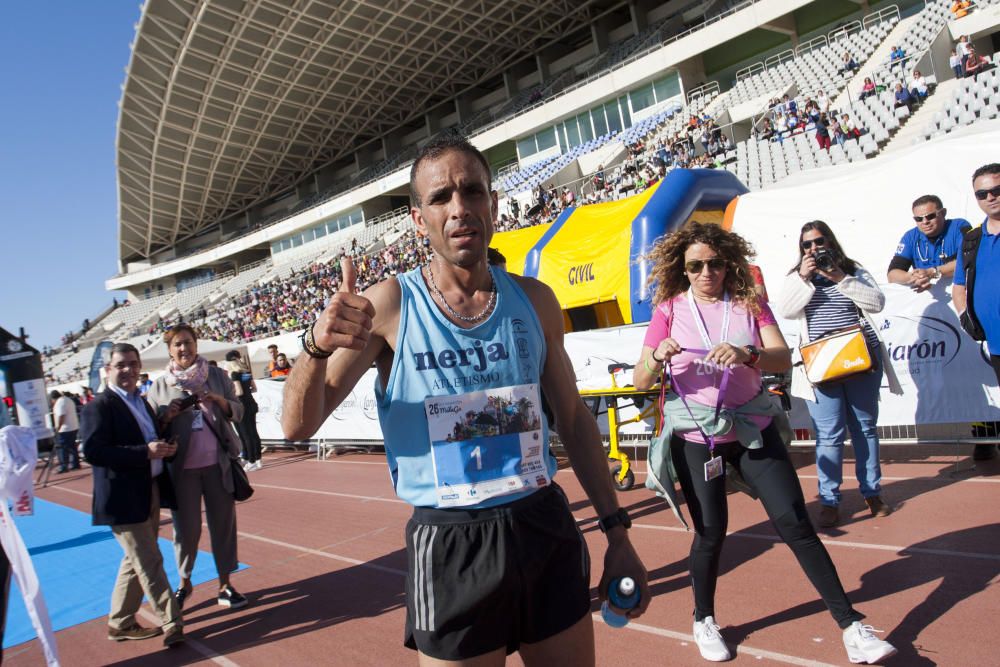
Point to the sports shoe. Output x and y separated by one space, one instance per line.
228 597
877 507
180 596
984 452
863 646
829 516
710 643
174 637
134 631
247 466
258 464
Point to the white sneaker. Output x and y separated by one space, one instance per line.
863 646
247 466
710 642
258 464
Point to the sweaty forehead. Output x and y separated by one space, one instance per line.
451 168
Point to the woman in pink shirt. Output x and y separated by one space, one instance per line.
195 403
712 334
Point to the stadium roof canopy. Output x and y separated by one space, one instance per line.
229 102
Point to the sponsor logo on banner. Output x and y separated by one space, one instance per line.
937 341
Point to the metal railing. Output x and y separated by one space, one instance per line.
709 88
867 22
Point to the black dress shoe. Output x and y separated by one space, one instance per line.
180 595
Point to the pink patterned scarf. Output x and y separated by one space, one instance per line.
192 378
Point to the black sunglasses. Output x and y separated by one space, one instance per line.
930 216
982 194
696 265
819 242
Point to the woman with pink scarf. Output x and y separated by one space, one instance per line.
196 405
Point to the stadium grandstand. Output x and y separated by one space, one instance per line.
259 141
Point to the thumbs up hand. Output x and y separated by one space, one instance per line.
347 319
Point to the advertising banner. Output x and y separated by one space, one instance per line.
945 375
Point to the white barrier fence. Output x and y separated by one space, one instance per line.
945 375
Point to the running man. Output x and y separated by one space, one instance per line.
496 563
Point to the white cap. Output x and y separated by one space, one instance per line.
626 586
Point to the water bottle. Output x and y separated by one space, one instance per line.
622 594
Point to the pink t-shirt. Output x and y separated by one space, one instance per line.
699 380
203 446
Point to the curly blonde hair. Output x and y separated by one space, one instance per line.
667 277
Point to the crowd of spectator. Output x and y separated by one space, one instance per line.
788 116
290 303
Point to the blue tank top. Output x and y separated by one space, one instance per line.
461 411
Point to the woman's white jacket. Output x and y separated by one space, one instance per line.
860 288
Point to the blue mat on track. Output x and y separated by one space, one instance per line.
77 564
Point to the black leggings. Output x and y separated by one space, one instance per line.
247 430
770 473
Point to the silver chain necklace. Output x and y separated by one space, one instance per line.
465 318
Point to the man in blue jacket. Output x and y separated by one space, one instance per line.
130 483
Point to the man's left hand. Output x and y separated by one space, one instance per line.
621 560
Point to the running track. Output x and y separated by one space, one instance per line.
324 541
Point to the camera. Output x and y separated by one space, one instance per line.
188 401
825 261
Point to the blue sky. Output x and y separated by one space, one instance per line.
63 65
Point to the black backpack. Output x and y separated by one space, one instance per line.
970 248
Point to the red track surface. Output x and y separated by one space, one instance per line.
325 542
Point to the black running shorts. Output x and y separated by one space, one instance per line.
483 579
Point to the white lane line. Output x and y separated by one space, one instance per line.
323 554
381 499
742 648
639 627
900 550
193 643
357 463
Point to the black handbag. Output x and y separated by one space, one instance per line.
241 483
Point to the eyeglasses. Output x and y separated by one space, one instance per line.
982 194
930 216
819 242
696 265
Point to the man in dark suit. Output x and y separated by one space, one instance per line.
130 483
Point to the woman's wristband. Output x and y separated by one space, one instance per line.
652 371
653 355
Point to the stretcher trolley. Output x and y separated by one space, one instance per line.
617 398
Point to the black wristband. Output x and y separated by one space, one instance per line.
309 345
653 355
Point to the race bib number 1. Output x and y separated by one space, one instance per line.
486 444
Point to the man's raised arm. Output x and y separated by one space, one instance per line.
343 345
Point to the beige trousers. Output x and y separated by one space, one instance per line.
141 572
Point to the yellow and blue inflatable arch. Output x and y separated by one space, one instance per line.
593 256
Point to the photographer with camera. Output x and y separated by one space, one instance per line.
830 292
